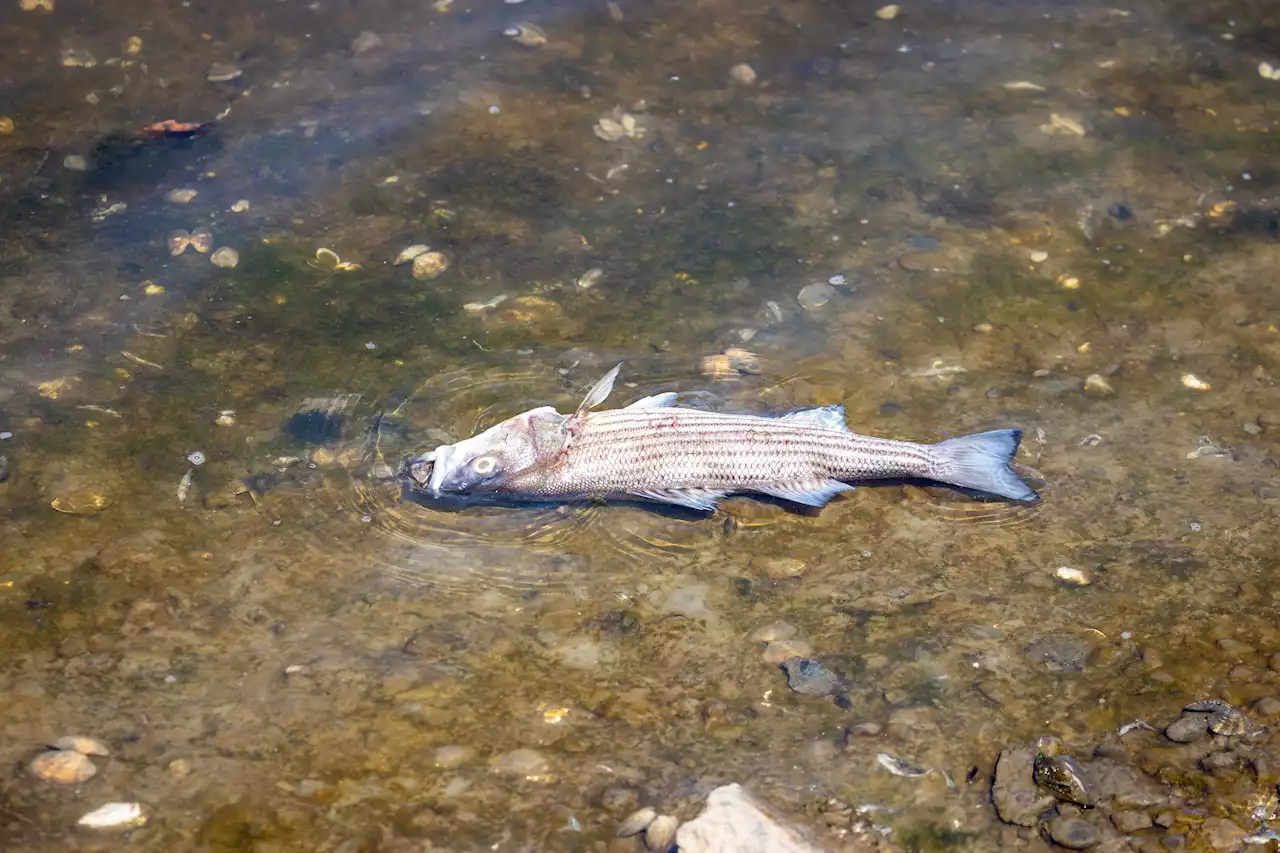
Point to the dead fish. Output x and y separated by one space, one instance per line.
899 767
653 450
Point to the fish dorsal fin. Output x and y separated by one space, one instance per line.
598 393
831 417
664 400
807 492
701 499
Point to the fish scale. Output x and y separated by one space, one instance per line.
621 451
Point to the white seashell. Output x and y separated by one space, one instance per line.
743 73
609 130
590 278
1066 574
410 253
526 34
114 815
1195 383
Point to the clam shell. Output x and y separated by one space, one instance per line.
202 240
636 823
410 253
63 766
526 34
327 259
660 835
428 265
80 744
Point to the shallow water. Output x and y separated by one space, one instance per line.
275 659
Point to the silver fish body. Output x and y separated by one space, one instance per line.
655 451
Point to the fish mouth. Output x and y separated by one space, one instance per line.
440 470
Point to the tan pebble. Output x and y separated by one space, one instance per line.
888 13
429 265
779 568
984 328
64 767
776 652
133 45
636 823
1039 256
80 744
774 632
179 768
183 195
660 835
6 125
1096 383
743 73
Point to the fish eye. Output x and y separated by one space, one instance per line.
484 465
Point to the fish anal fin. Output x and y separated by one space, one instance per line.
814 493
598 393
664 400
830 417
700 499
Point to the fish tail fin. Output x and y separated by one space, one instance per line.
981 462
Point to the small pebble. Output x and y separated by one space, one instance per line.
528 763
636 823
1130 821
984 328
1267 707
226 257
779 651
364 42
240 206
6 125
179 768
452 756
810 678
1039 256
888 13
75 163
61 766
183 195
743 74
774 632
1073 833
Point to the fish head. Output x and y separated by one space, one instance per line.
486 462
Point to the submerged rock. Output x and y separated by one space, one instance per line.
1072 833
811 678
733 822
1014 792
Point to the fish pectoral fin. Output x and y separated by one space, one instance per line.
664 400
831 417
807 492
598 393
703 499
